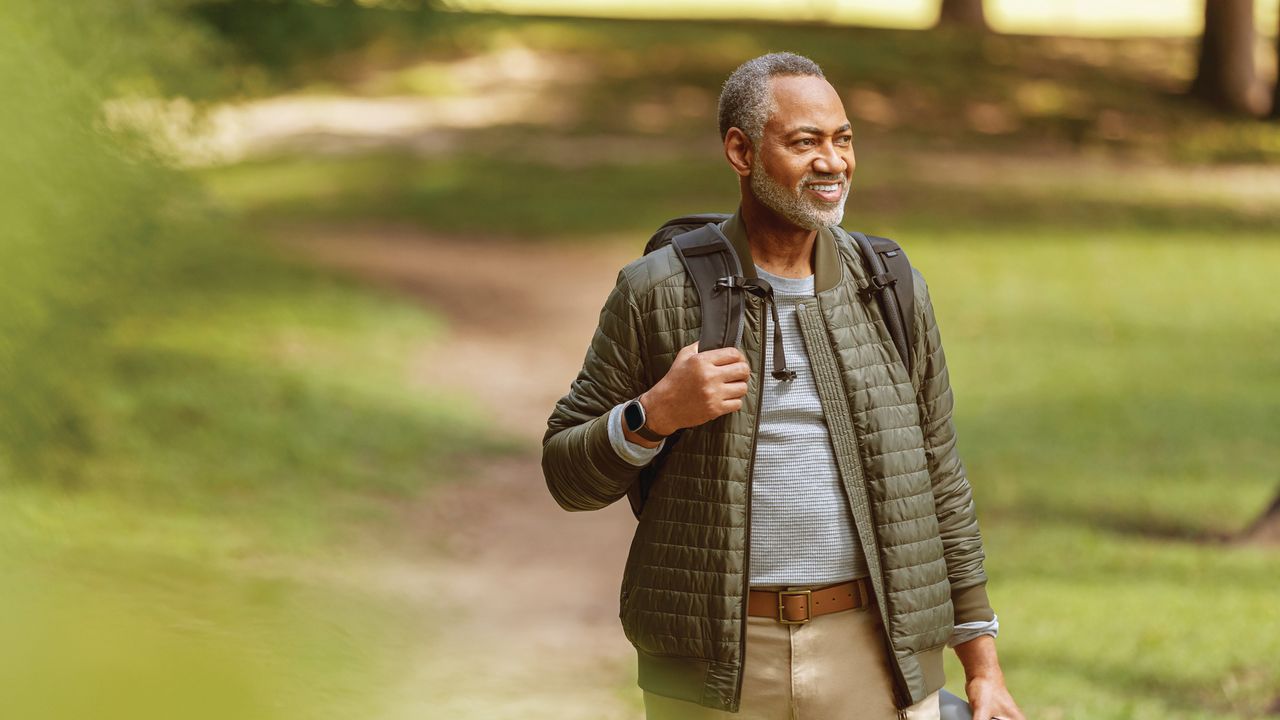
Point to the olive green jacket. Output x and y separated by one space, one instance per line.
683 596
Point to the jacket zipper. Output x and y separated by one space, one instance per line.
902 696
746 551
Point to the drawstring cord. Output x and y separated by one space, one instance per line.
762 289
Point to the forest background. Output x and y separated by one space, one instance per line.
274 375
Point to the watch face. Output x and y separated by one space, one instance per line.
633 415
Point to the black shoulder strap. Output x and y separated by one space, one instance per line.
894 287
707 256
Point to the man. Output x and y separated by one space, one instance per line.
809 544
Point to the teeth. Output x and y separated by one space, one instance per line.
825 188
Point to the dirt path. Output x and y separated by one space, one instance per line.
524 595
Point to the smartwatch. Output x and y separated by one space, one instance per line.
634 419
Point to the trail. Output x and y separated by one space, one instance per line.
522 596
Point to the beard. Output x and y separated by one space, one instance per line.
793 204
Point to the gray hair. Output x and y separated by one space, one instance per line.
745 101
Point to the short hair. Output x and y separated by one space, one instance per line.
745 100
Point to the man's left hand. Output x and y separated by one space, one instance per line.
989 698
984 681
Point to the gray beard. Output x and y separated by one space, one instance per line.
792 204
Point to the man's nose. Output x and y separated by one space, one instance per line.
831 161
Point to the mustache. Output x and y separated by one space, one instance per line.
812 178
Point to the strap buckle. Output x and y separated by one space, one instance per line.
880 281
731 282
782 606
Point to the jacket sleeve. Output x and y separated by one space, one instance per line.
581 467
952 496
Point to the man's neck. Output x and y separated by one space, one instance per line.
776 245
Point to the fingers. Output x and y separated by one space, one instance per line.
735 390
730 406
724 356
733 372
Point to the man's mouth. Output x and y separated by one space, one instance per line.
830 192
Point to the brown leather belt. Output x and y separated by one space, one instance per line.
796 607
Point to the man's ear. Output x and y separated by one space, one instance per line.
738 150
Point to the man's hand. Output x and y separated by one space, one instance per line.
984 681
697 388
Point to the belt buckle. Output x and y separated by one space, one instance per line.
808 606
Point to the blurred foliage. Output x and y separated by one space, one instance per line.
938 89
141 335
276 43
111 637
91 219
181 403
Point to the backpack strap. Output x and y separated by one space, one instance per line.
893 284
679 226
708 258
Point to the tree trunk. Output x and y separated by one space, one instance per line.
1266 529
1275 94
964 13
1225 75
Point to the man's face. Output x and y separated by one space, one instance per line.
802 167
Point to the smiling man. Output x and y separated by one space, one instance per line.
809 545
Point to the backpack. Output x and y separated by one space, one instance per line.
709 259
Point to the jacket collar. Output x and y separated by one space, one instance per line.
826 259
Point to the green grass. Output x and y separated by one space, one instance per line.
119 635
1117 411
258 417
261 391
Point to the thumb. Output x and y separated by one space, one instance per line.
687 350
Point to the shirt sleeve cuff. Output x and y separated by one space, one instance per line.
965 632
633 453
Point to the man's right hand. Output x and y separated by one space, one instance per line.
698 387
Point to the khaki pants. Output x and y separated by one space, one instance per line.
834 667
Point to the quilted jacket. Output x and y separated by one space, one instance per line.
684 585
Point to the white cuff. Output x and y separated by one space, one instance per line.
965 632
634 453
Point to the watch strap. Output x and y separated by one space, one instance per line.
649 435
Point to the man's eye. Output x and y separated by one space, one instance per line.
844 139
806 142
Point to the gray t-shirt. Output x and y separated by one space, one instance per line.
802 529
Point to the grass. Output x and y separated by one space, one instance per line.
256 420
256 382
1116 412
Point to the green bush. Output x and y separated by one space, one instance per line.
91 216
